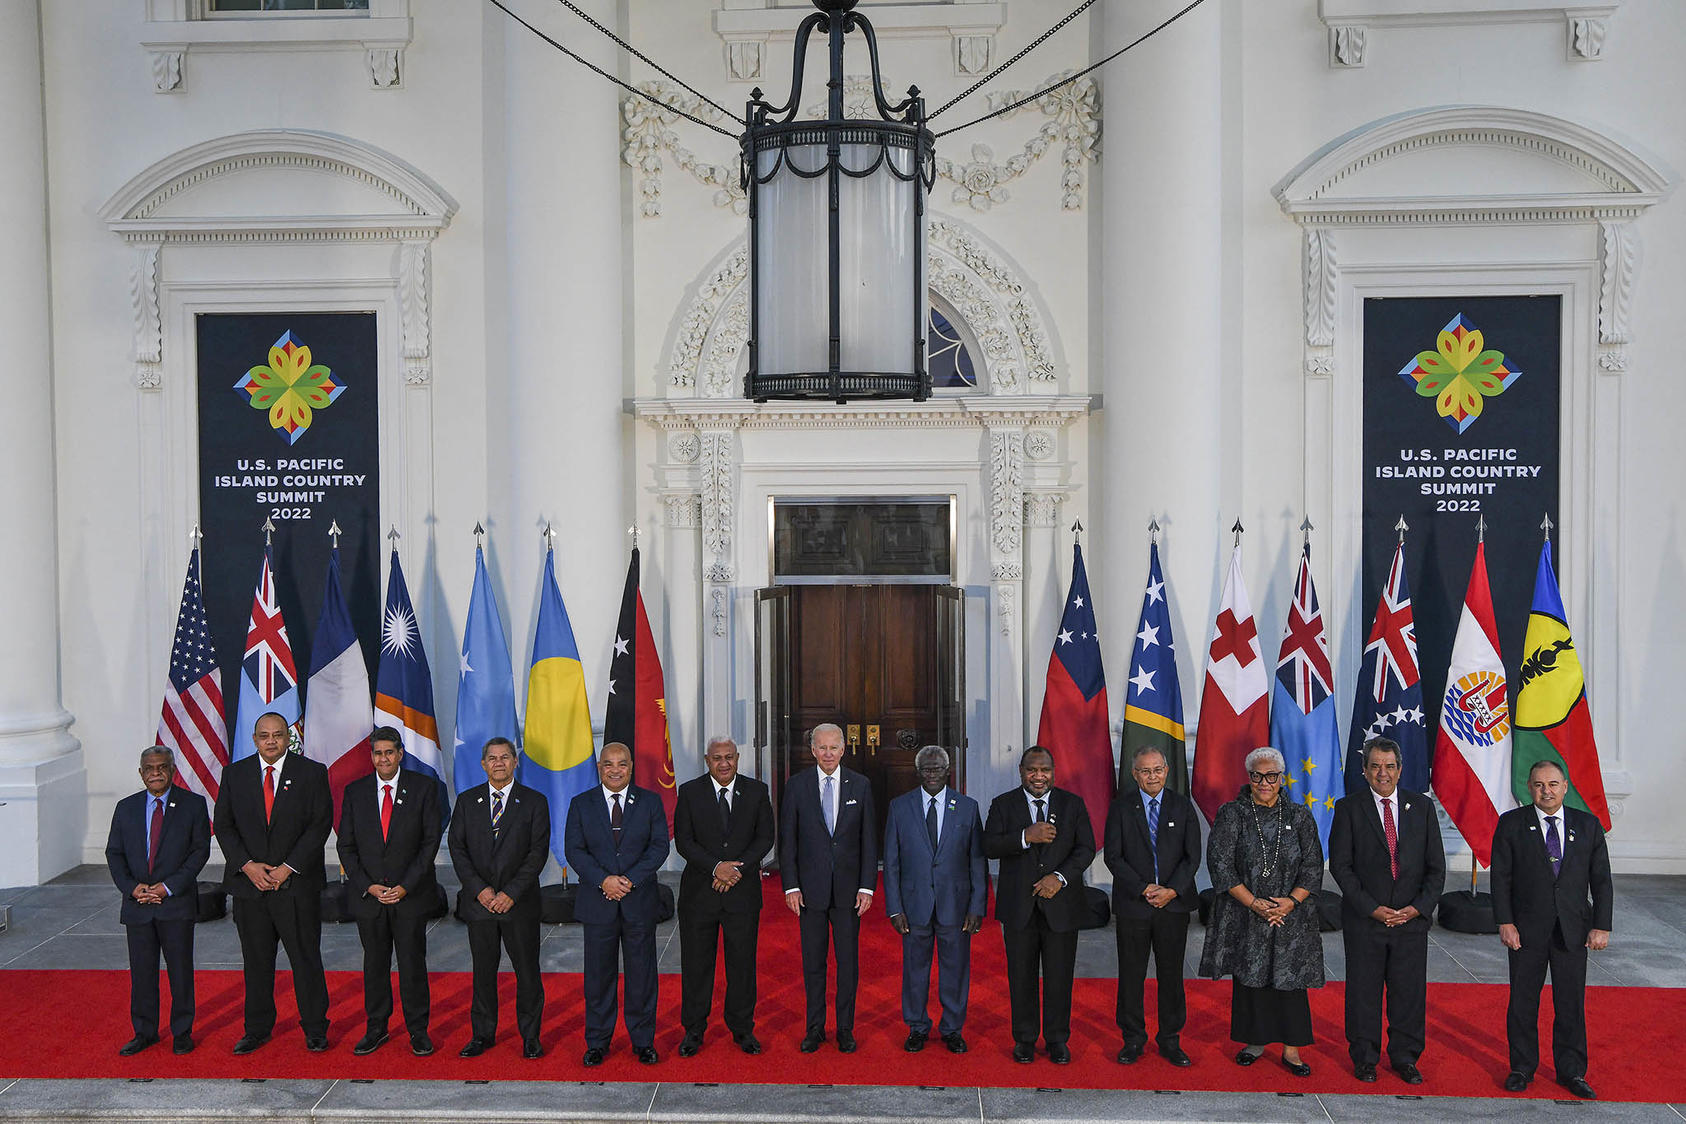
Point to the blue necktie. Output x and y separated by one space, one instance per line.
828 800
1153 833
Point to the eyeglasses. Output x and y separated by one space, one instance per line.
1265 778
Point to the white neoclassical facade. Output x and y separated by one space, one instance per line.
1157 275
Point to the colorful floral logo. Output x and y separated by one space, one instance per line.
290 387
1460 374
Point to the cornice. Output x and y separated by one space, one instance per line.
677 414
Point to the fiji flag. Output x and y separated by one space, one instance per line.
1302 710
404 686
1074 715
1390 688
269 680
485 683
557 742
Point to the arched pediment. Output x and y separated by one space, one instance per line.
279 183
1470 163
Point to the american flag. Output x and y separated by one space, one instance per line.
192 721
1390 689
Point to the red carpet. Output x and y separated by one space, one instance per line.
88 1010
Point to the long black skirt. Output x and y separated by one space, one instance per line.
1259 1015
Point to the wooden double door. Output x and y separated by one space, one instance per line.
885 662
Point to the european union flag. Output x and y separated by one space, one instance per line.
557 745
485 684
1302 709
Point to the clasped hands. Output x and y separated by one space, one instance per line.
264 876
1159 896
1393 918
496 902
1273 910
616 886
149 894
726 875
387 895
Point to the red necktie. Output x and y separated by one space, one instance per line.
155 834
386 809
1391 830
268 793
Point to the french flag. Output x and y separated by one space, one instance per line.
338 716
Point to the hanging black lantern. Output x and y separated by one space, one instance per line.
838 304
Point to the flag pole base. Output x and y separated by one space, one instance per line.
1465 911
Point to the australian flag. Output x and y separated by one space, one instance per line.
1390 689
1074 715
1302 709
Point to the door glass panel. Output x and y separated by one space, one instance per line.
856 540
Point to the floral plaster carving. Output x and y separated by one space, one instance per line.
647 130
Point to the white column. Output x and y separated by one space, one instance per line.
43 809
557 431
1165 445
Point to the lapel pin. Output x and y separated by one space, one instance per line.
480 800
1170 823
1407 807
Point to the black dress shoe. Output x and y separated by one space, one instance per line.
1364 1071
845 1042
691 1045
530 1048
1516 1082
476 1046
370 1042
1059 1054
955 1043
1579 1087
1409 1073
1176 1056
136 1044
1246 1057
1130 1054
1298 1069
316 1043
748 1043
811 1042
182 1045
250 1042
646 1055
421 1045
1024 1053
593 1056
915 1041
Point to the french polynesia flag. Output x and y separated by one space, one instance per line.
338 713
1074 723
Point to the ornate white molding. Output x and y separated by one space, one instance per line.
177 27
972 54
647 130
1622 184
1346 45
682 415
1585 25
717 606
1006 605
718 499
1586 37
1039 444
1042 509
1006 491
683 510
386 69
166 72
1618 266
777 22
1318 281
988 292
149 325
684 447
744 59
413 266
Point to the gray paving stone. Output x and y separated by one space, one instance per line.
74 951
1013 1106
187 1101
450 1101
1366 1108
795 1103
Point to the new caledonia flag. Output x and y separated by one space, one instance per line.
1074 721
557 742
636 713
1553 722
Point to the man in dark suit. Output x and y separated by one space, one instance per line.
723 827
1553 900
500 841
1386 855
274 811
390 822
158 844
1042 836
616 841
935 885
1153 851
828 862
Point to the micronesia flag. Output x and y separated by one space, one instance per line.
485 683
1390 688
557 742
269 681
340 717
404 686
1302 709
1074 722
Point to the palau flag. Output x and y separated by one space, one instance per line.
269 680
1153 703
1302 707
339 719
1553 722
559 760
485 683
1390 688
404 686
1074 720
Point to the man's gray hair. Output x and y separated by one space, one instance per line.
1267 753
718 739
928 754
1147 751
823 727
159 751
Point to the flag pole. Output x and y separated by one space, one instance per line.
479 535
1401 527
195 536
549 537
1305 529
1153 530
1076 530
633 531
334 532
1546 526
268 529
1238 529
393 536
